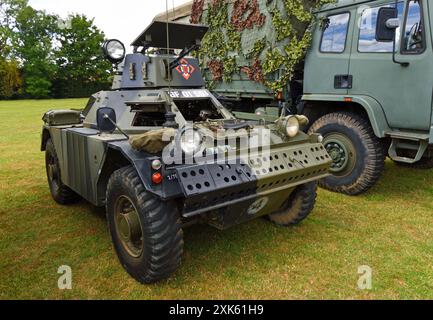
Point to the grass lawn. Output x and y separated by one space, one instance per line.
389 229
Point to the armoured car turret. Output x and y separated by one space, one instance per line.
160 152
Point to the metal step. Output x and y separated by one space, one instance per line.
399 143
413 136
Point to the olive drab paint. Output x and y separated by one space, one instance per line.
227 193
160 145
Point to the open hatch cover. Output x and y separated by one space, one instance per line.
182 35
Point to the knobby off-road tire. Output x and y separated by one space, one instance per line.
359 156
60 192
298 206
154 248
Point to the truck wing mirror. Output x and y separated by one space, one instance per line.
106 119
387 23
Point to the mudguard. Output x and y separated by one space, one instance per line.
142 163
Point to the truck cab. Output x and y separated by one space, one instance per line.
368 87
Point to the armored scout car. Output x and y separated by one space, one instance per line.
138 150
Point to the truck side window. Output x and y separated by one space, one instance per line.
335 33
367 32
413 41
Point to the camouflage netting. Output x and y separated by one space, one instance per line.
258 38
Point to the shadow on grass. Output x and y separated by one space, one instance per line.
200 239
402 182
89 209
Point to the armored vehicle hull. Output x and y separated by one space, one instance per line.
160 152
224 190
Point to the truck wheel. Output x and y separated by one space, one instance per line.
146 231
298 206
423 164
60 192
358 155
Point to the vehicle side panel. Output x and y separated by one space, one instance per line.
371 106
321 68
80 157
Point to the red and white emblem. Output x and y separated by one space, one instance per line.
185 69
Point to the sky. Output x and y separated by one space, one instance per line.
119 19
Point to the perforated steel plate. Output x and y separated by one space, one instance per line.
211 185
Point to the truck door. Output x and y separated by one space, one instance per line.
328 57
404 92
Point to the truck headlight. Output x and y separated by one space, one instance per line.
114 50
292 126
191 141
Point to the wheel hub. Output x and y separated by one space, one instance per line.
338 155
342 152
128 227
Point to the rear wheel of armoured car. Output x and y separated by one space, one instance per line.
299 205
146 231
60 192
358 155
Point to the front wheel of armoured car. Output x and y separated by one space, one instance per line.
59 191
146 231
299 205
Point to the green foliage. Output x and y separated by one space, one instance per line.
32 44
79 61
10 74
10 78
54 59
38 86
8 11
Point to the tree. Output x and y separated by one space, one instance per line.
33 45
10 74
8 12
79 59
10 78
50 56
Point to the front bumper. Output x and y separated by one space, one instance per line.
229 190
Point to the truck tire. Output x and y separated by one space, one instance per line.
359 156
146 231
60 192
298 206
423 164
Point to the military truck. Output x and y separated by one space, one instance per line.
160 152
365 84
